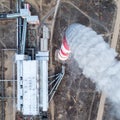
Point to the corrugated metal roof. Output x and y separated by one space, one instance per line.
30 91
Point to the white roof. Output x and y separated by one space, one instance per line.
30 91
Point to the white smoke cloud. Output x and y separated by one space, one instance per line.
96 59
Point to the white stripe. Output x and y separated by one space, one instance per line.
64 49
63 54
61 57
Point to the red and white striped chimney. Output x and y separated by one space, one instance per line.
64 51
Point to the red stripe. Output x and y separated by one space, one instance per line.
61 57
63 53
65 43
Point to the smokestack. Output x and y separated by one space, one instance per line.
95 57
64 52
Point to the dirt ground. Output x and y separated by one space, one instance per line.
76 98
8 75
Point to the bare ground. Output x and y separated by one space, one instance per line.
76 98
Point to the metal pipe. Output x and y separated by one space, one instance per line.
53 80
54 75
11 16
54 86
19 23
57 84
14 107
8 97
24 35
8 80
2 84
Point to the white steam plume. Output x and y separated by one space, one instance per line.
96 59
